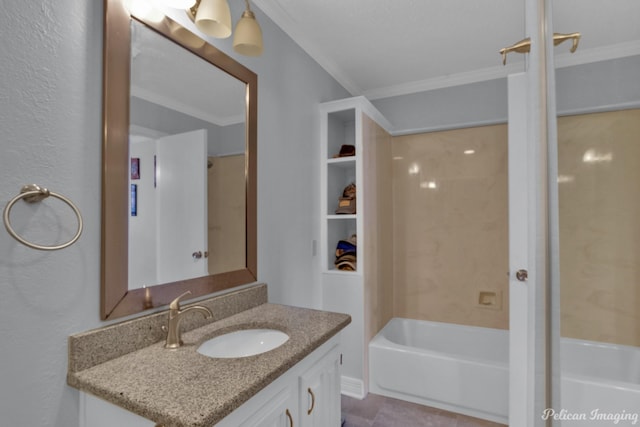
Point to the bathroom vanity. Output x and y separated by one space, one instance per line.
294 384
124 372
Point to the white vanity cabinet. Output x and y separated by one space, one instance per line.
277 410
95 412
286 402
319 391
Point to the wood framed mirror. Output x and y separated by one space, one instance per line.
125 101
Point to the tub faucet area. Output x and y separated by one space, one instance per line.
175 316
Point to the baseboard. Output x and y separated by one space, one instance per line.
352 387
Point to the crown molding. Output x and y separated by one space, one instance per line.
457 79
189 110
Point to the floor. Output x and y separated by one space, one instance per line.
379 411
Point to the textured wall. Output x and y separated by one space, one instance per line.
50 133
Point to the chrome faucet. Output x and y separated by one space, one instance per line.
175 316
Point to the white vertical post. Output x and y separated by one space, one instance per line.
520 376
532 138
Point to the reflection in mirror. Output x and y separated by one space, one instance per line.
187 142
179 165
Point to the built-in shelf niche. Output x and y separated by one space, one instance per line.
339 173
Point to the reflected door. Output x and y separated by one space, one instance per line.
226 210
181 173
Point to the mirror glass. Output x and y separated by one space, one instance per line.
186 143
178 165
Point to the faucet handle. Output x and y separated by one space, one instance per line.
175 304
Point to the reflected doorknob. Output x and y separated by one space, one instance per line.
524 45
522 275
574 37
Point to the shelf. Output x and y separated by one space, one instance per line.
342 216
340 131
338 178
345 162
339 172
336 271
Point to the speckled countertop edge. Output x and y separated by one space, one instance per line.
182 388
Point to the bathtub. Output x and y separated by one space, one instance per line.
465 369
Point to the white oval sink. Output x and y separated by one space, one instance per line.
243 343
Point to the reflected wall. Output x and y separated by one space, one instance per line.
599 193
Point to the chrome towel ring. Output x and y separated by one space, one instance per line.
33 193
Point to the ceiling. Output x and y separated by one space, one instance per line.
383 48
166 74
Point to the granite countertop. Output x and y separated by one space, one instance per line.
183 388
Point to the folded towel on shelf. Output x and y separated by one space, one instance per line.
346 254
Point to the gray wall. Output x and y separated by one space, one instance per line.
452 107
599 86
50 133
588 87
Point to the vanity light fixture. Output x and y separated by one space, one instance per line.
213 17
248 38
146 10
177 4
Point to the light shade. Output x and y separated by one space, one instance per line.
145 10
177 4
248 37
214 18
185 36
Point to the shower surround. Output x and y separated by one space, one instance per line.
450 211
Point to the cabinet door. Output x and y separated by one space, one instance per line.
279 411
319 389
